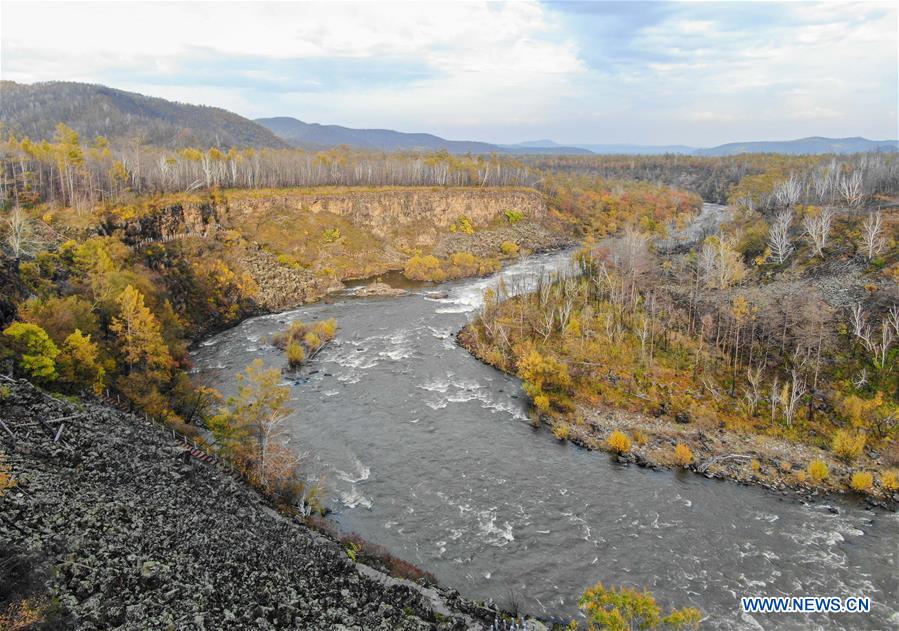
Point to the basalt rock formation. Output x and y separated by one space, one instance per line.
111 525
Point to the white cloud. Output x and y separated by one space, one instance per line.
697 73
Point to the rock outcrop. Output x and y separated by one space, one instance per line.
117 529
378 288
384 211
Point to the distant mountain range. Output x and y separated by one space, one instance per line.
316 136
34 110
811 145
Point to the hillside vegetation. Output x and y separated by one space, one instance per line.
94 110
782 325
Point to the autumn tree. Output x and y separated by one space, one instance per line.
37 352
79 362
139 334
721 265
628 609
253 427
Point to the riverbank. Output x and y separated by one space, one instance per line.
751 459
111 523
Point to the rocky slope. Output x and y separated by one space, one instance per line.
114 526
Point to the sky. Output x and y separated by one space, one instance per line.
700 74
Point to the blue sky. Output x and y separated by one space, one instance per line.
578 72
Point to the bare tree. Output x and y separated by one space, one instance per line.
720 263
753 394
878 346
851 188
817 228
779 236
787 193
19 234
872 235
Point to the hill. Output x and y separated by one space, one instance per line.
316 136
94 110
532 147
811 145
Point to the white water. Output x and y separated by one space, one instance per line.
427 451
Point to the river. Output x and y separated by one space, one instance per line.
430 453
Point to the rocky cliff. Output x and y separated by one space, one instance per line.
383 211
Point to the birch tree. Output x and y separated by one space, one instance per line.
872 235
817 225
779 236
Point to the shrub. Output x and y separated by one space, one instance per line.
514 216
326 329
312 341
861 481
847 446
330 235
683 456
640 437
541 402
509 248
424 268
818 470
622 608
466 261
288 261
561 430
7 481
462 224
755 465
890 480
618 442
295 354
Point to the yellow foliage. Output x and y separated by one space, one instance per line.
818 470
890 480
625 609
326 329
618 442
683 456
79 362
7 481
463 224
541 402
847 446
312 341
331 235
640 437
861 481
509 248
295 354
424 268
561 430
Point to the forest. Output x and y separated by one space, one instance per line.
783 323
